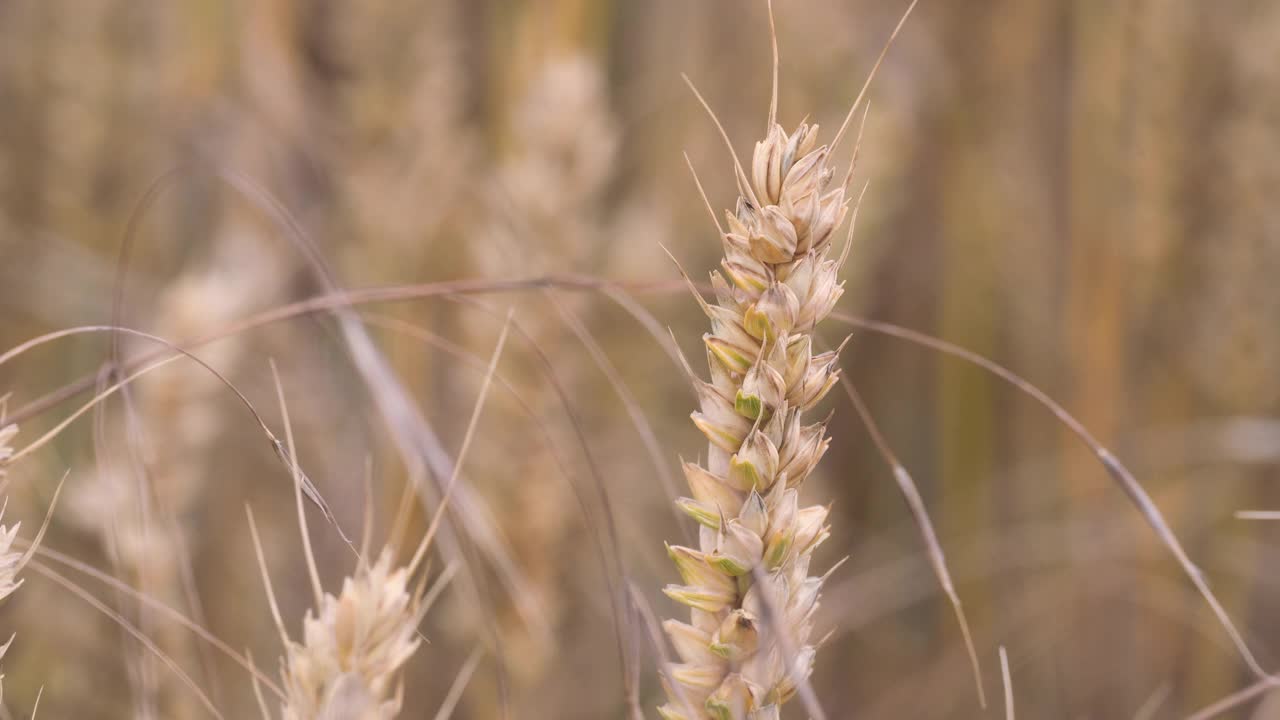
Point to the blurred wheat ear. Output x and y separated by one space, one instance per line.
355 645
11 561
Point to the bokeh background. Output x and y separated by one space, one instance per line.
1081 191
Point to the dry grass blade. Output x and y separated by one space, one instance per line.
1234 700
312 571
179 352
327 303
1152 704
1258 514
773 86
129 627
1008 685
866 85
610 556
438 587
438 518
266 577
479 365
257 689
169 612
744 184
413 435
414 438
703 194
653 632
921 516
459 685
44 526
1118 472
629 401
90 405
618 295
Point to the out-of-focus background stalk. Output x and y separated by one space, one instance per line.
1083 192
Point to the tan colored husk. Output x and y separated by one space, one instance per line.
348 664
8 559
7 432
355 645
747 646
11 561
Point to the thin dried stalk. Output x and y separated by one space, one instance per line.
171 427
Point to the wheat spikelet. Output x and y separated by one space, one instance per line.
11 561
747 646
353 648
7 432
347 666
355 645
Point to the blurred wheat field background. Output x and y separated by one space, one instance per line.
1080 191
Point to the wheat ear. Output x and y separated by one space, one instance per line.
355 644
11 561
747 648
7 432
349 663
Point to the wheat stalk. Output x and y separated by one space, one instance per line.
747 647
